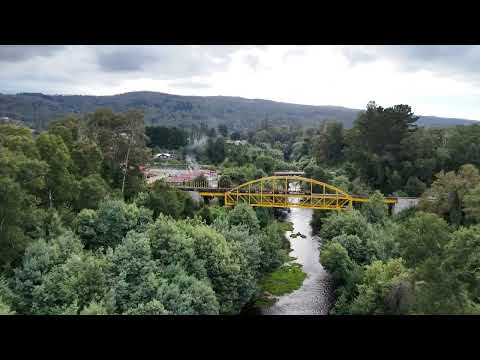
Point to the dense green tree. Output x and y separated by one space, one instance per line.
61 186
164 199
264 215
227 256
375 210
382 129
355 247
166 137
385 289
5 309
85 225
154 307
446 195
329 146
472 204
274 247
414 186
68 129
94 308
17 216
348 222
216 149
170 245
222 268
317 220
18 139
121 138
186 295
40 258
334 257
422 236
266 163
463 146
376 144
206 215
93 189
243 214
73 284
87 158
111 222
463 258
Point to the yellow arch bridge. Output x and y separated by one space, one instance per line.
281 192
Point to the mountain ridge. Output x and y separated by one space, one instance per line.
37 109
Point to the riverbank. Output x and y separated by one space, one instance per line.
305 285
286 279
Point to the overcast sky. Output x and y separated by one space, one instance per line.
434 80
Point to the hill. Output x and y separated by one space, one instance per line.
38 109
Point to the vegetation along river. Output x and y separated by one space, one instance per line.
314 296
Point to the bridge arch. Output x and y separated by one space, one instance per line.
277 191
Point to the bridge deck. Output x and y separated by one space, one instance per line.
283 191
220 192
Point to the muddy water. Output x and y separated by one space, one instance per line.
315 295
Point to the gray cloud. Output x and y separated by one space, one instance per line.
456 60
81 66
124 59
13 53
165 62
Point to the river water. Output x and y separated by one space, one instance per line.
314 297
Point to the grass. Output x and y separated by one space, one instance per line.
285 225
284 280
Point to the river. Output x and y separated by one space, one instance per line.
314 297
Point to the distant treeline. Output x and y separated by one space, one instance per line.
37 110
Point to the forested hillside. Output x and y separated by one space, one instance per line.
82 232
36 110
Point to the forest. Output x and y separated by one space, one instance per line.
82 233
169 110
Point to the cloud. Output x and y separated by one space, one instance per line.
44 68
439 80
165 62
253 61
189 85
298 52
14 53
357 55
124 59
449 60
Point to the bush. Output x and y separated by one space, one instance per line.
350 222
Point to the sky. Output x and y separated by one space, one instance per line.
432 79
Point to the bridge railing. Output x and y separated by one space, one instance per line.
279 191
